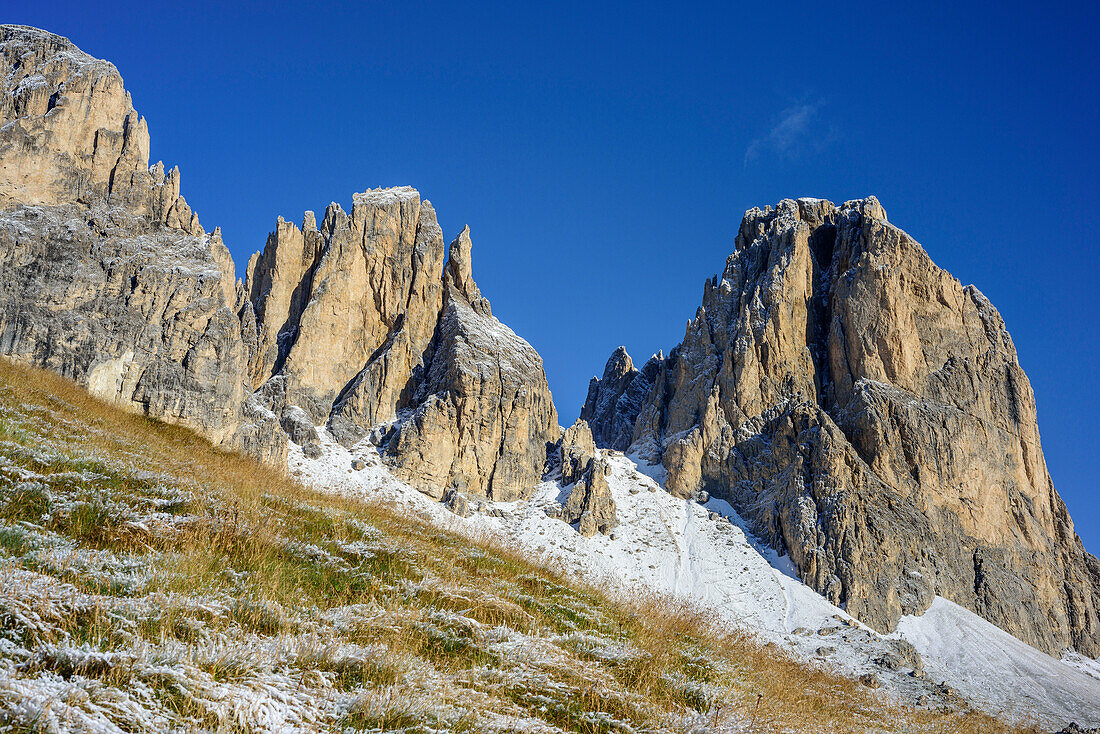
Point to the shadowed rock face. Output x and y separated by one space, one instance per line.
614 400
867 413
107 277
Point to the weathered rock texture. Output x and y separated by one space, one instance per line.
345 313
867 413
138 316
107 277
71 134
589 503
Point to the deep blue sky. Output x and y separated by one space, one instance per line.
603 155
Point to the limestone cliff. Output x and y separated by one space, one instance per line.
359 324
344 313
355 323
867 414
71 134
484 415
105 274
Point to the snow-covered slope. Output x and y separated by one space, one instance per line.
702 553
983 662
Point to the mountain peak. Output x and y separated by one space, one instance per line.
837 350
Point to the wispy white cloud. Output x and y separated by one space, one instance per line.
793 131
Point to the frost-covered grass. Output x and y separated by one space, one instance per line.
149 582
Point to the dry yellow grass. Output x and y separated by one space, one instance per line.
434 599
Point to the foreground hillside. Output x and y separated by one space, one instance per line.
152 582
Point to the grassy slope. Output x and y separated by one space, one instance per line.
150 582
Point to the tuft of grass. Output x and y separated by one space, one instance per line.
27 502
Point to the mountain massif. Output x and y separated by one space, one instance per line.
862 410
867 414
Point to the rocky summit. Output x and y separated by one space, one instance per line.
357 322
866 413
837 398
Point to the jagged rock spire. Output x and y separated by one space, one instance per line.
614 400
459 272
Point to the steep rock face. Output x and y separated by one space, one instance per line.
867 413
576 448
359 325
346 312
484 414
278 284
590 503
138 316
614 400
71 134
107 276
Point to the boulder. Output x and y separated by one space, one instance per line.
299 428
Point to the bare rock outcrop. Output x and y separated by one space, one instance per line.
576 449
71 134
138 316
345 312
867 414
589 503
361 326
105 274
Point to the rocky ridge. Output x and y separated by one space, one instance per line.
614 400
356 323
867 414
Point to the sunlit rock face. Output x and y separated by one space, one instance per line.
361 324
867 413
